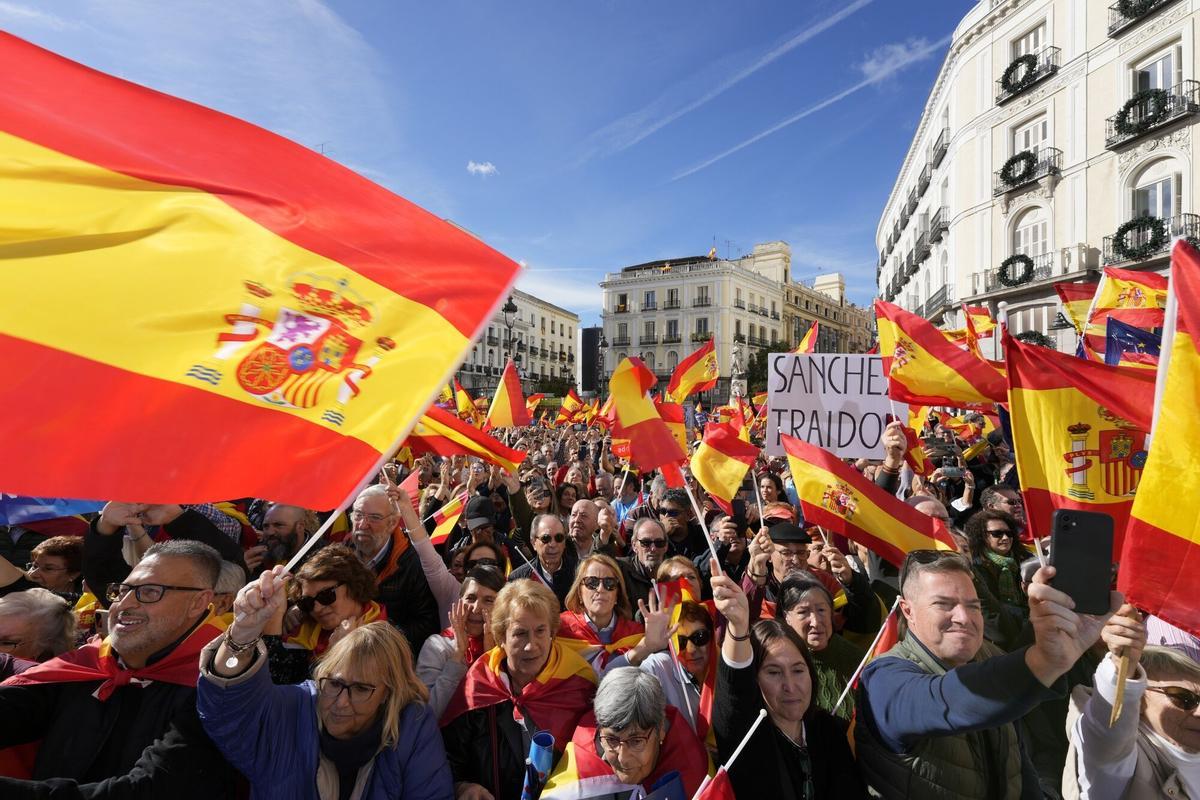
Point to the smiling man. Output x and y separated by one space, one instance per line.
118 718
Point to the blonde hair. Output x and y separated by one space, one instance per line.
379 648
575 596
1164 663
523 595
666 568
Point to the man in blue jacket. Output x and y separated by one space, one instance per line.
937 714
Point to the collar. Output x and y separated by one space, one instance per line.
612 623
381 556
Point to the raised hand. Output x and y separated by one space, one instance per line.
160 514
895 445
838 564
1061 635
730 600
458 624
115 516
256 603
658 623
1125 634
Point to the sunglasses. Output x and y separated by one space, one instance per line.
697 638
482 562
594 583
652 543
670 512
1006 534
1181 698
546 538
325 597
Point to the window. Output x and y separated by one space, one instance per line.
737 295
622 331
1157 192
737 327
774 308
622 301
702 325
648 358
1031 135
1029 236
1030 42
1161 71
945 199
648 300
552 326
672 327
649 328
774 335
702 297
672 360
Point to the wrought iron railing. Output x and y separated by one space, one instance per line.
1027 71
1150 110
1150 237
1133 13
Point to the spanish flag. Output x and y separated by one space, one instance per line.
571 406
443 433
651 443
837 497
672 415
980 318
696 373
216 288
924 367
1079 432
575 632
1076 300
721 461
808 344
1162 543
1138 296
446 398
531 403
508 408
446 517
465 405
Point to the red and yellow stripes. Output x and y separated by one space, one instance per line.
651 442
441 432
508 405
1133 296
721 461
1076 299
446 517
696 373
1162 543
210 287
837 497
808 344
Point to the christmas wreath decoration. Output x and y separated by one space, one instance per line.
1157 240
1014 79
1132 9
1035 337
1018 169
1157 104
1006 276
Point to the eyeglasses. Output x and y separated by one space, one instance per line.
33 565
374 519
1181 698
652 543
546 538
670 512
634 743
325 597
594 583
357 693
482 562
146 592
10 644
698 638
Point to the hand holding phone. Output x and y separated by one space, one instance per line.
1081 544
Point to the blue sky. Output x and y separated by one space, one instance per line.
575 137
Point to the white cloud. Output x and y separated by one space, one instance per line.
25 14
483 168
876 67
580 293
632 128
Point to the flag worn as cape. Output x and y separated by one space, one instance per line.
310 636
575 632
248 289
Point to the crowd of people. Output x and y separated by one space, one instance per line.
582 632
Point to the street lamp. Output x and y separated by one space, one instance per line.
601 346
510 312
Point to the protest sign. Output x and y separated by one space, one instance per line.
833 400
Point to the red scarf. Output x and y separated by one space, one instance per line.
311 636
555 700
575 632
96 661
474 645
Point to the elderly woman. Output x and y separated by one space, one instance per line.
1153 750
688 671
598 623
528 682
446 656
806 606
996 558
360 728
631 742
676 567
331 595
800 750
35 625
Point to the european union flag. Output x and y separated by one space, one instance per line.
1130 346
16 509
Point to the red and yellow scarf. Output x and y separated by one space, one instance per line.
311 636
575 632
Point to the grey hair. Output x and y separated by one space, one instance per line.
232 578
630 697
539 518
205 559
715 525
52 618
374 490
658 485
947 561
1165 663
643 522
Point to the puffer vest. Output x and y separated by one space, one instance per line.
984 764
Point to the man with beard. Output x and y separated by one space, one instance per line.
118 718
284 530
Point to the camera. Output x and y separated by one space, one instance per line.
950 468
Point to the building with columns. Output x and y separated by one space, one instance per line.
1057 139
540 336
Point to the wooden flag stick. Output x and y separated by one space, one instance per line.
870 650
1119 697
624 475
712 548
758 497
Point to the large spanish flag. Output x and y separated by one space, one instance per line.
721 461
1136 297
1161 556
192 291
465 405
808 344
651 443
672 415
696 373
1079 432
837 497
925 367
508 408
439 431
1076 300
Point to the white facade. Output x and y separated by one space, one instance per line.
1105 146
543 343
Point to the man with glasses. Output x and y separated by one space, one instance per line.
379 518
937 714
118 718
649 546
554 560
1004 498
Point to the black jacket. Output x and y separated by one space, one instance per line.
560 582
143 742
405 594
637 580
487 744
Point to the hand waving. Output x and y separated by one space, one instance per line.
256 603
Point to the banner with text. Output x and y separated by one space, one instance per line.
833 400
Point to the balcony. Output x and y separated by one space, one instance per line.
1148 237
910 264
989 281
521 346
1025 72
739 304
647 340
1135 12
545 353
762 311
882 258
671 305
1026 167
938 151
905 215
562 356
921 249
924 178
672 338
621 341
752 308
939 223
701 336
913 199
1149 111
493 341
756 341
649 306
620 309
570 358
939 301
701 302
774 315
739 338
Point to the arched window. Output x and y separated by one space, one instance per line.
1157 190
672 360
649 359
1030 236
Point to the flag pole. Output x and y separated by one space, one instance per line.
758 497
762 714
624 475
675 660
870 650
712 548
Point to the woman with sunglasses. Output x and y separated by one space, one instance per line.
331 595
598 623
359 728
1153 750
687 671
996 558
800 751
